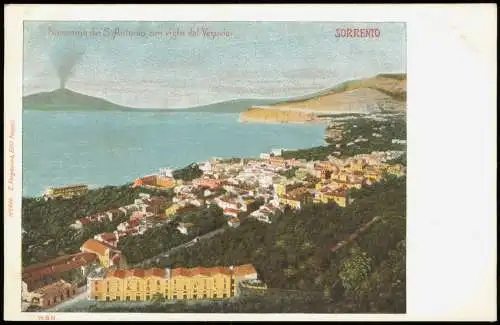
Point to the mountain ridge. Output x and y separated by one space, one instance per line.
64 99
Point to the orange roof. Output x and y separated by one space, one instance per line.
117 274
200 271
136 272
155 272
234 220
181 272
245 269
220 270
97 246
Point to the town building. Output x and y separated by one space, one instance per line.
157 181
228 212
66 192
210 183
178 283
42 274
184 228
105 252
295 198
233 222
108 238
338 196
52 294
166 172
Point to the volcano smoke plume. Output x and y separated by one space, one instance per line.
65 64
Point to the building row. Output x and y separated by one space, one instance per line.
172 284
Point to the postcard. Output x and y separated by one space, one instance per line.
176 168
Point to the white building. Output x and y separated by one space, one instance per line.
166 172
206 167
144 196
233 222
277 152
184 228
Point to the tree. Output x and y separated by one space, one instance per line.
355 269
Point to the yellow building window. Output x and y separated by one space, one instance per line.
128 298
137 297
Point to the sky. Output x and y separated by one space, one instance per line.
164 65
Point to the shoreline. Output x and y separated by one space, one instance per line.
317 122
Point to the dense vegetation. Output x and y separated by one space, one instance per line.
293 257
188 173
294 253
159 240
353 129
314 153
47 224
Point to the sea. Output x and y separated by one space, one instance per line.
114 148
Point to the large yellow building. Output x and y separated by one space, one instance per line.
396 169
66 192
339 197
172 210
296 198
178 283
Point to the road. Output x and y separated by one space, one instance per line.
188 244
354 235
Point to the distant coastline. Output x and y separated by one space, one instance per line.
63 99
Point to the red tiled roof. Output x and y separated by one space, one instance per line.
136 272
245 269
116 273
154 272
200 271
57 265
108 236
229 210
181 272
220 270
